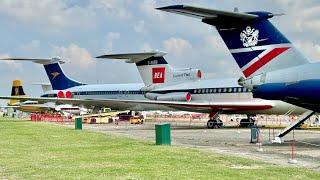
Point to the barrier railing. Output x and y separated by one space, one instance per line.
50 117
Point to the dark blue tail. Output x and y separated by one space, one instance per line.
58 79
257 46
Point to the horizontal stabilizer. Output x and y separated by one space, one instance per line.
37 60
42 84
134 57
204 13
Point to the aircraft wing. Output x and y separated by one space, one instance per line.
9 106
225 106
204 13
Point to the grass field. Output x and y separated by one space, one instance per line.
31 150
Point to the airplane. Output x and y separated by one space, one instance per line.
272 66
25 106
164 88
64 87
213 96
34 106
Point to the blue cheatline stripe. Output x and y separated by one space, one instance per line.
192 91
152 61
244 58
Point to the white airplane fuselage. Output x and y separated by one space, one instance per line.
214 90
288 75
34 106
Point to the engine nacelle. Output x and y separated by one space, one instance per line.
179 96
307 91
152 96
270 91
67 94
187 74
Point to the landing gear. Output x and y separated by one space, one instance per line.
214 123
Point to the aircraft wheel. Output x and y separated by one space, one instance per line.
219 123
211 124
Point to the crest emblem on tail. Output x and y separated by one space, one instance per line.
249 37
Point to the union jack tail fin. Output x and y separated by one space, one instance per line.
256 45
155 70
259 47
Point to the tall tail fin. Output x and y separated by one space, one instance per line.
256 45
58 79
155 70
17 90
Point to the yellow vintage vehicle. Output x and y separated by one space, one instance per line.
136 120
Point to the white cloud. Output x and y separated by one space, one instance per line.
78 57
146 47
177 46
34 44
111 8
140 27
300 15
310 49
12 65
148 8
48 13
212 43
111 37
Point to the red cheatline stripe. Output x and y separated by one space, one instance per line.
264 60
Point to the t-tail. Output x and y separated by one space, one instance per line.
255 44
155 70
58 79
17 90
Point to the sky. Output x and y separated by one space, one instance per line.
80 30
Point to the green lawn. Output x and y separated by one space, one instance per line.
31 150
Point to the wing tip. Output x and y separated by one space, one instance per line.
165 8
